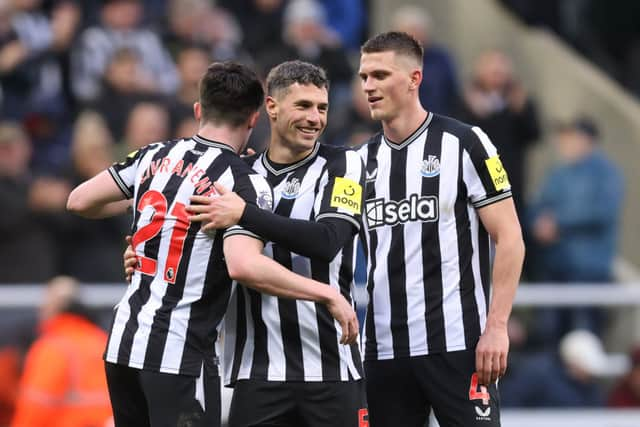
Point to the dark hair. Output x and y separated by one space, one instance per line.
229 93
286 74
394 41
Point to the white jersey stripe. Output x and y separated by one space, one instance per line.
447 231
414 284
381 296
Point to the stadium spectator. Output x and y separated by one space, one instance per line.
33 79
439 88
63 383
260 20
565 377
351 124
120 28
192 61
574 224
33 48
121 90
198 22
307 37
81 241
26 247
626 391
147 121
347 18
495 101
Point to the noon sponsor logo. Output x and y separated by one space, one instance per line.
347 194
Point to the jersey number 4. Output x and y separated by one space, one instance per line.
155 200
475 394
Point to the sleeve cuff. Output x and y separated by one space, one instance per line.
236 230
338 215
492 199
123 187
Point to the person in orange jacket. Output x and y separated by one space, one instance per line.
63 383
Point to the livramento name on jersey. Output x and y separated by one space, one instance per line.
415 208
164 165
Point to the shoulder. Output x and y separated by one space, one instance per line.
332 153
470 137
237 163
340 158
252 159
371 143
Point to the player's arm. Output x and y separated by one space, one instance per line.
489 191
501 222
328 235
338 209
98 197
247 265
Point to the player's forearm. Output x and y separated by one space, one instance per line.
506 276
328 236
267 276
106 211
92 198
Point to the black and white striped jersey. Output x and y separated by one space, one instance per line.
277 339
168 319
428 253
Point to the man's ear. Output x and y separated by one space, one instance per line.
271 105
253 119
197 111
416 79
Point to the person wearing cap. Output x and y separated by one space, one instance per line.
626 392
561 378
574 223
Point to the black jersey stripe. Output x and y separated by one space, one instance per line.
395 264
470 316
431 254
289 324
371 243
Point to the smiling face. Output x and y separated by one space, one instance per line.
298 115
389 81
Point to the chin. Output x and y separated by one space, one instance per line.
378 115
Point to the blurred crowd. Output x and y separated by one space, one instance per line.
606 33
84 83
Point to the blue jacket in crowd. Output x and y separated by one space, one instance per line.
585 198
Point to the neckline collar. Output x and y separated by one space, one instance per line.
269 165
412 137
211 143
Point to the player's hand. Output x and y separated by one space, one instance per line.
491 354
216 212
130 260
343 312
